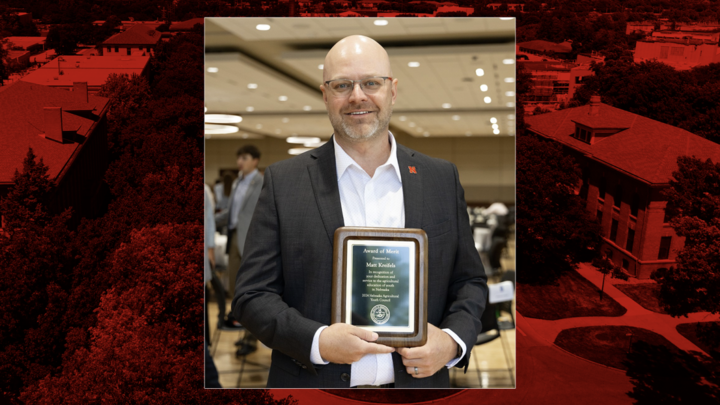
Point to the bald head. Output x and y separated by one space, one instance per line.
356 55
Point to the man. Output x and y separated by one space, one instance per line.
362 177
243 199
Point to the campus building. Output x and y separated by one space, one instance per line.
67 130
136 40
627 161
65 70
553 83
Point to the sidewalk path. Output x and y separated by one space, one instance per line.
636 316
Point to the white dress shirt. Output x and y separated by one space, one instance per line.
239 196
373 202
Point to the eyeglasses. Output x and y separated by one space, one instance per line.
343 87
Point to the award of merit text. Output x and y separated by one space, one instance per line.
380 277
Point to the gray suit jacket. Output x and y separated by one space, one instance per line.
246 211
284 287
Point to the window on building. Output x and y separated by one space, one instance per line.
666 217
613 230
677 51
109 49
599 216
664 52
585 181
618 196
577 132
117 49
625 264
601 187
129 50
630 240
664 247
634 205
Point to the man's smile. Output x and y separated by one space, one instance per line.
359 113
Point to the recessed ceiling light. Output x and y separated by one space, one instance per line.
495 126
297 151
278 131
321 66
510 93
282 98
285 120
307 108
468 133
252 85
244 136
446 105
508 61
212 129
511 116
509 80
205 109
510 104
262 27
250 109
303 139
426 134
212 70
483 87
223 118
411 124
258 126
479 72
419 129
496 131
380 22
456 117
493 120
403 118
487 100
413 64
507 18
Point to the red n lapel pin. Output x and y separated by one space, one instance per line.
412 170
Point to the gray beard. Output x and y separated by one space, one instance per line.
354 134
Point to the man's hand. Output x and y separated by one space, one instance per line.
439 349
342 343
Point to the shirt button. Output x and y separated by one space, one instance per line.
345 377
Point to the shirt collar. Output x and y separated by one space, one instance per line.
249 176
343 160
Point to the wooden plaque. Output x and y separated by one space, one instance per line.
380 283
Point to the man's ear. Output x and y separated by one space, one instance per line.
322 88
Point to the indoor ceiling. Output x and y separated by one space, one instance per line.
271 78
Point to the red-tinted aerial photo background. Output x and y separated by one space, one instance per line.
618 200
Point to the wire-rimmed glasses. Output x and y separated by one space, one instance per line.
343 87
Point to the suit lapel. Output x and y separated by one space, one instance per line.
323 177
250 189
412 186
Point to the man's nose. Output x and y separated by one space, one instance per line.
357 93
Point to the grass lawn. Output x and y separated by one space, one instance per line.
688 330
390 396
571 296
646 294
607 345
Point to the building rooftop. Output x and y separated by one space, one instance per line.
25 42
186 25
647 149
547 46
140 34
22 119
91 69
547 66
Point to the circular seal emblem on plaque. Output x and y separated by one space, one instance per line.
380 314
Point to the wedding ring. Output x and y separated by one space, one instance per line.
416 371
